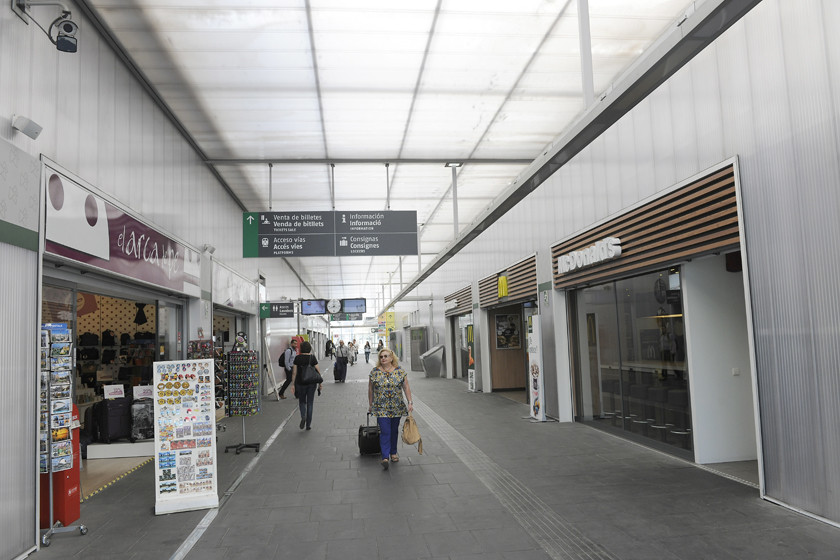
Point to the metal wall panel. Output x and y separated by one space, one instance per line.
767 90
18 399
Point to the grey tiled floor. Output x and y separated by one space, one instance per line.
312 496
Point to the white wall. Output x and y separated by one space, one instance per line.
723 415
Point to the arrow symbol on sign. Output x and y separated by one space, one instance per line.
250 219
264 307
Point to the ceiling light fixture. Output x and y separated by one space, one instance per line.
453 164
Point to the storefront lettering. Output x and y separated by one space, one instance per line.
140 248
607 249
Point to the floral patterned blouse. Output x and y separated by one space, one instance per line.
387 393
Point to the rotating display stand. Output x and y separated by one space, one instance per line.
56 425
243 391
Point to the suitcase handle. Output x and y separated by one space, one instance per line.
367 420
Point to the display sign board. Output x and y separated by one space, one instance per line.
83 227
143 392
113 391
277 310
186 474
347 316
329 234
536 382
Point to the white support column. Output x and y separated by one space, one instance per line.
455 200
585 53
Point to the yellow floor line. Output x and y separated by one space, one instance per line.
113 481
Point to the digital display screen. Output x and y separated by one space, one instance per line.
313 307
354 306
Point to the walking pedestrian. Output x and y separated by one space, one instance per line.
341 357
355 351
287 360
351 354
328 351
386 384
380 346
305 392
367 352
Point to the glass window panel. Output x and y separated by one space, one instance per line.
631 372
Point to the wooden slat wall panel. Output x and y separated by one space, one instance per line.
464 297
697 219
488 292
522 279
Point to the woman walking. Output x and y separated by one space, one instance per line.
367 352
305 392
388 381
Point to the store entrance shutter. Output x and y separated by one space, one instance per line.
18 398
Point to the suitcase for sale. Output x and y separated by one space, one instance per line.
114 419
142 419
369 438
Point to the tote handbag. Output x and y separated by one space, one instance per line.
411 434
310 374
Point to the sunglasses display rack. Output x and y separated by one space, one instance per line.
185 436
243 391
55 411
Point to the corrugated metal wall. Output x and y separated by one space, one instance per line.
100 124
18 398
768 90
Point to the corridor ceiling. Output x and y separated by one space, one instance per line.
361 83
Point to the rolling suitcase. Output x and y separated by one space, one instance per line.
369 438
142 419
336 374
114 419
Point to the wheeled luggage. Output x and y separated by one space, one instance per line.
369 438
114 419
336 371
142 419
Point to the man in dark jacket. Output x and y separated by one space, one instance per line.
289 361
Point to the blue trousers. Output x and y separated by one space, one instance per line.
389 433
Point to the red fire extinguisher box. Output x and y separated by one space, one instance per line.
66 487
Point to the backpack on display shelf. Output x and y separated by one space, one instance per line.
89 339
144 335
109 338
124 338
109 356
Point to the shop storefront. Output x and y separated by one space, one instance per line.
658 322
459 314
507 299
123 291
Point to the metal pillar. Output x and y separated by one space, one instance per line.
332 185
270 166
585 53
455 201
387 187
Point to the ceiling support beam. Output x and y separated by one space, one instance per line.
354 161
672 51
116 46
585 53
455 201
505 100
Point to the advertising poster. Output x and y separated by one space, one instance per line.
508 333
186 475
536 382
471 359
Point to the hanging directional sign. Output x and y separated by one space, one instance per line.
328 234
347 316
277 310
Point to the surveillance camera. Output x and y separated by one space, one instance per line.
66 40
67 28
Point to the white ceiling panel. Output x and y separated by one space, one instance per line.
495 79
